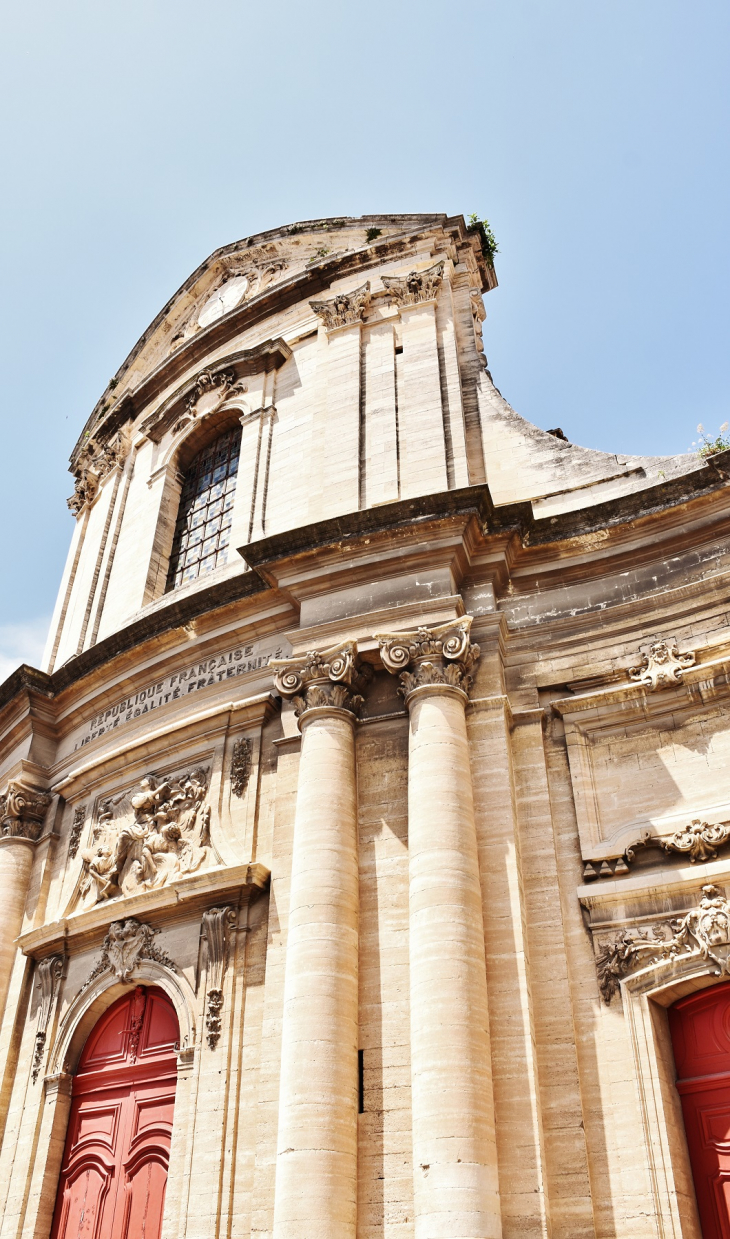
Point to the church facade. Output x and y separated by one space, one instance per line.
365 848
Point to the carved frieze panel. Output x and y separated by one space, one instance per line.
661 666
415 287
323 678
144 836
22 810
126 943
702 933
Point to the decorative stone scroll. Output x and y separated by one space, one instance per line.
77 829
241 766
344 309
50 971
323 678
700 933
22 810
440 655
126 943
145 837
662 667
415 287
215 930
700 841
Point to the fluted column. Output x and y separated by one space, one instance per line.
21 820
316 1168
454 1149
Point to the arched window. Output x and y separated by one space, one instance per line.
203 526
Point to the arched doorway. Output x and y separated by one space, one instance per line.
114 1170
700 1028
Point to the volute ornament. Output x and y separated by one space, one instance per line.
50 971
22 810
344 309
440 655
662 667
215 931
701 932
415 287
323 678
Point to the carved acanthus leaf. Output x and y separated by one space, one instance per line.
439 655
22 810
700 932
415 287
93 465
126 943
662 666
50 971
241 766
215 931
323 678
344 309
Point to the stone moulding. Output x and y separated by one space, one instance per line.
703 932
323 678
661 666
429 656
22 810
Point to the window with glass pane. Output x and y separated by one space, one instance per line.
203 527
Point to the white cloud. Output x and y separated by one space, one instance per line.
22 643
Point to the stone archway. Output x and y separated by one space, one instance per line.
114 1172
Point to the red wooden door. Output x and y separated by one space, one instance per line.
114 1169
700 1027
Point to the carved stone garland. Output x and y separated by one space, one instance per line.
77 829
241 766
322 678
344 309
662 667
415 287
50 971
702 929
125 944
440 655
215 930
22 810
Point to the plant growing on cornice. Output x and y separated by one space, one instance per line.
708 446
372 233
486 237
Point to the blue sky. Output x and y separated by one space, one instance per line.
138 137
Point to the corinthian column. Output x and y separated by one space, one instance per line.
454 1150
316 1168
21 820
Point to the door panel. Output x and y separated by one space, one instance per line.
700 1028
114 1172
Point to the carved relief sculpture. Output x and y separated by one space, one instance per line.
50 971
126 943
241 766
215 930
344 309
77 829
322 678
415 287
22 810
146 837
700 932
662 667
440 655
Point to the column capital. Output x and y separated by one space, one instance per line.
323 679
344 310
416 288
22 810
439 657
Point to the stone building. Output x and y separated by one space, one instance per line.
364 857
